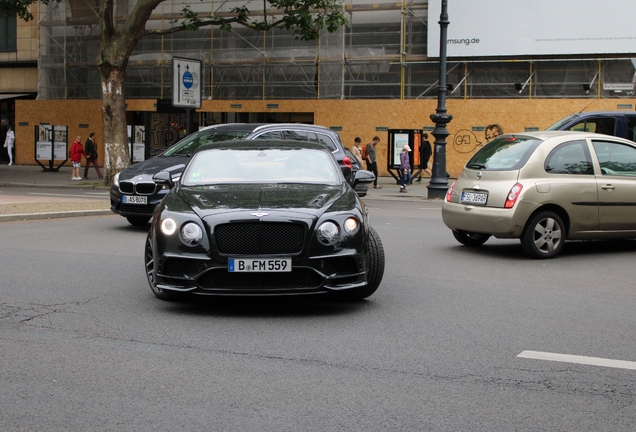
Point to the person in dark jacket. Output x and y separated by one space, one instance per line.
426 151
91 156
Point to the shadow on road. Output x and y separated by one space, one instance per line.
511 249
318 305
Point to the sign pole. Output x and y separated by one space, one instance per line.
438 185
187 87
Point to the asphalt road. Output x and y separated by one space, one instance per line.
84 345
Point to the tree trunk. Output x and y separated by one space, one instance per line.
117 153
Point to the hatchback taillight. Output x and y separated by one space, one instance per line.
449 192
514 193
346 161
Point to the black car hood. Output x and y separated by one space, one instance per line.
307 199
152 166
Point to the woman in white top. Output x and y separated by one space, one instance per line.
8 143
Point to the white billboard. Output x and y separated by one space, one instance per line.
534 27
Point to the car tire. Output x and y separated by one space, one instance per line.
375 269
149 264
138 220
470 239
544 235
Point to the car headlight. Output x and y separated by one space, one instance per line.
168 226
351 225
191 234
328 233
116 180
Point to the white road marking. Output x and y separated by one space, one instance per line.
567 358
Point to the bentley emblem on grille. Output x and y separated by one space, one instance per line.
259 214
479 174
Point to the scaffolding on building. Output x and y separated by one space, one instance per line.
380 54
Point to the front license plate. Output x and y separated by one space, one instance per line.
259 265
474 198
134 199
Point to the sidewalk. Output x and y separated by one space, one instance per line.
48 205
42 207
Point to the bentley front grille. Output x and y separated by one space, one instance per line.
178 266
260 238
297 278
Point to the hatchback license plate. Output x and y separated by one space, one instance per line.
134 199
474 198
259 265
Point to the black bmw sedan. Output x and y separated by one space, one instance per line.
262 218
134 195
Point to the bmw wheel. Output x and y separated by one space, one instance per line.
150 264
470 239
138 220
544 235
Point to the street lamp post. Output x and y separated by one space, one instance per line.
438 185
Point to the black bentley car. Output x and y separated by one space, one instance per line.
134 195
262 218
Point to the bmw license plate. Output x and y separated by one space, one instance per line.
474 198
134 199
259 265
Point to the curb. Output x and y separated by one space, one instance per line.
53 215
53 186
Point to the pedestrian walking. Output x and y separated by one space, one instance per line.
75 155
426 151
8 143
90 150
357 150
405 168
372 162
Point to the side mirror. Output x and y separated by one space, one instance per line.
163 178
362 177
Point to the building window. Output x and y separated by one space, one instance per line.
7 32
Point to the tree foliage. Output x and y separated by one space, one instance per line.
304 18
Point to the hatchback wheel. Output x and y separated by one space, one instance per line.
544 235
470 239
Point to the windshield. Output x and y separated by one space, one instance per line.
219 166
558 125
504 153
191 143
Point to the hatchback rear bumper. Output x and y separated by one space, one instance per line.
499 222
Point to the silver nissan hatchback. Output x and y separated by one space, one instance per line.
544 188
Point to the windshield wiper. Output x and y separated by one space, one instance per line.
476 166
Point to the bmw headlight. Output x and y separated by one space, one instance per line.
168 226
351 225
191 234
116 180
328 233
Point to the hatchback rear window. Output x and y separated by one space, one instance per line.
504 153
